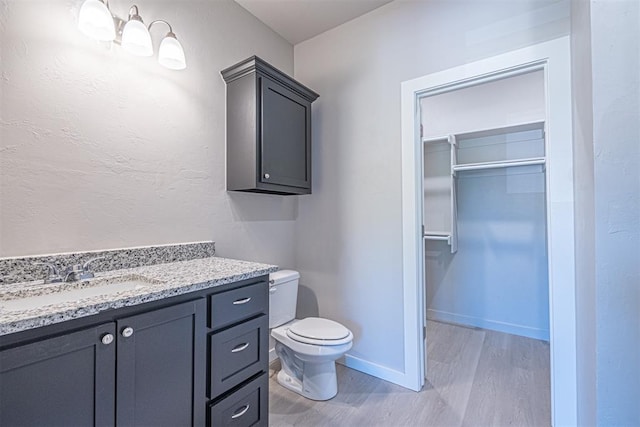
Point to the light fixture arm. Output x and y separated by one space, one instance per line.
163 22
134 13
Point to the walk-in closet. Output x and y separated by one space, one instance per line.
484 208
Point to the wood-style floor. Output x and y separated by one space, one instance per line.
475 378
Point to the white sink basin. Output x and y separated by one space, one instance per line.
64 293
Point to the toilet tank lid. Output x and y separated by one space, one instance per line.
283 276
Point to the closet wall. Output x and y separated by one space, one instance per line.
492 271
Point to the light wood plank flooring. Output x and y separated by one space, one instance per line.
475 377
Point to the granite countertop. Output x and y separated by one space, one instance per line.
161 281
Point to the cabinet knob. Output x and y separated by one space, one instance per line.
266 176
107 339
127 332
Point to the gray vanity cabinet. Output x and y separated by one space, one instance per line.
68 380
268 130
160 363
74 379
196 359
238 356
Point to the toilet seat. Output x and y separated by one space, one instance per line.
318 331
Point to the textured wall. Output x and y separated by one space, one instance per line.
616 141
352 266
100 149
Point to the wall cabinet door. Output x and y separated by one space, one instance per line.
268 130
161 366
285 137
62 381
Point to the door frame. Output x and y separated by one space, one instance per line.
553 57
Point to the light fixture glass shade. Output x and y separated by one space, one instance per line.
136 38
171 54
95 21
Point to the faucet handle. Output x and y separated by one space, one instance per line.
85 266
53 274
85 273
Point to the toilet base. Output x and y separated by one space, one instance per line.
319 381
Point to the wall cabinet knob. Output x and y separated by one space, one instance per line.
266 176
127 332
107 339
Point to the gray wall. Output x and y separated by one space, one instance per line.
348 238
584 210
100 149
615 32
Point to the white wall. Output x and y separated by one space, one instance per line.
507 102
615 41
101 150
584 210
349 242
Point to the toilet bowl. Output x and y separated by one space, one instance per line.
307 348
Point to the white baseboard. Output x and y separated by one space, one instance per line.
367 367
382 372
509 328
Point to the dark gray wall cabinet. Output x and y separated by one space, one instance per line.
192 360
268 130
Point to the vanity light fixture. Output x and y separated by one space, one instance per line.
96 21
135 36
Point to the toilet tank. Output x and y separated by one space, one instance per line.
283 297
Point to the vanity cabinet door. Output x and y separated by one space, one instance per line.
161 366
66 380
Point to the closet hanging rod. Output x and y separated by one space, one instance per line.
443 138
495 165
437 237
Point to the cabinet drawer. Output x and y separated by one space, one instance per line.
238 304
237 354
248 406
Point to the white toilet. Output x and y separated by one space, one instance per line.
307 348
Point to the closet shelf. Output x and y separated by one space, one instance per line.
496 165
512 128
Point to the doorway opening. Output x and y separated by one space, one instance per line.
487 157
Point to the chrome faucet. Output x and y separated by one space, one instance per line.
53 272
80 271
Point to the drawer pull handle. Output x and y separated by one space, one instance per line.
240 412
242 301
240 347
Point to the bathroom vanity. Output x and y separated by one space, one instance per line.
188 348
